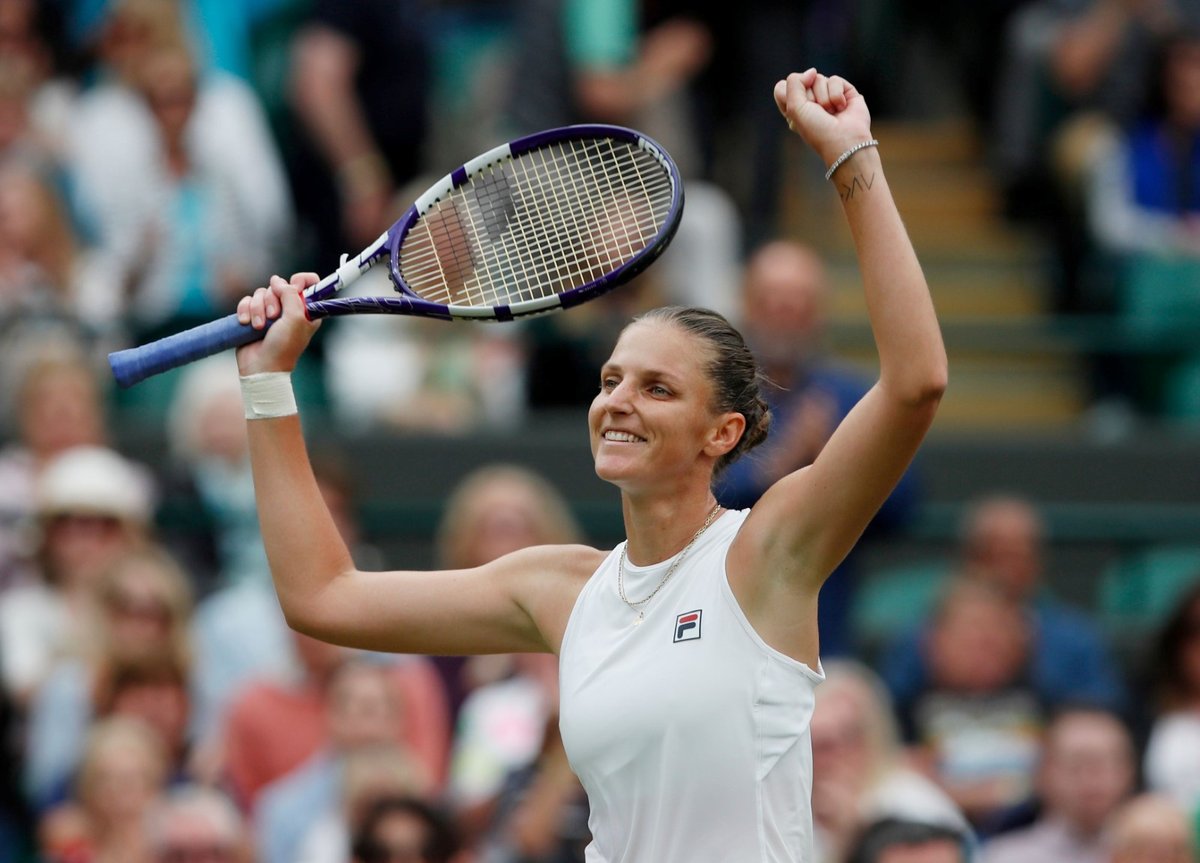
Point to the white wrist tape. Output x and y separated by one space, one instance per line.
268 394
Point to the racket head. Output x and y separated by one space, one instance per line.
543 222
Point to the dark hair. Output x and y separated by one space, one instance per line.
441 839
736 376
1155 98
1174 688
887 833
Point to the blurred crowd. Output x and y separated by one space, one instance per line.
159 158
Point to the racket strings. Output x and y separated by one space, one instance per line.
565 234
591 201
601 237
547 221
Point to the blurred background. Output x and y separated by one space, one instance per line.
1015 645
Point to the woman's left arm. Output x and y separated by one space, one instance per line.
807 522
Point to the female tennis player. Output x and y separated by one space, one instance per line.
689 653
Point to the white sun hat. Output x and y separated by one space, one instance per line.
94 480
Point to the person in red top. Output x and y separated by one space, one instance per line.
273 726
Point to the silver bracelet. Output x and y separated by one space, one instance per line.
267 395
840 160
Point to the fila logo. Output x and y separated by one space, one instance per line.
687 626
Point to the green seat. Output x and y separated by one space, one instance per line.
1139 591
895 598
1182 397
1160 290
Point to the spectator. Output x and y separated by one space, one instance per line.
122 773
241 636
492 511
506 700
896 841
363 710
274 726
542 813
1143 210
426 377
208 498
1143 199
360 77
110 121
404 828
1152 829
57 406
1063 57
371 774
859 774
1002 543
608 61
157 694
1071 70
35 104
1087 772
784 296
1172 760
977 723
251 699
53 286
193 823
92 506
135 663
600 61
178 178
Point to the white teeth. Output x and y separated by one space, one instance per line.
624 437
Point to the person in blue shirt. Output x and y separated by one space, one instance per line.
1002 543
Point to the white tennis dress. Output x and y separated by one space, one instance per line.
689 733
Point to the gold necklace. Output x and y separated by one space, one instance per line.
636 604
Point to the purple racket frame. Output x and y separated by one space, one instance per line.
136 364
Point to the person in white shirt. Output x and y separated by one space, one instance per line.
685 689
1172 758
860 775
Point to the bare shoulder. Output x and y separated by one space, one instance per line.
547 580
569 562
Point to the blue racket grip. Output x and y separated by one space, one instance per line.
137 364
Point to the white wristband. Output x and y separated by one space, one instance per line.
840 160
267 395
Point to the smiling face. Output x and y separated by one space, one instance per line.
652 421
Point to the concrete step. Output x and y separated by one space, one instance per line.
980 271
1033 394
1029 393
949 201
945 142
988 398
962 288
964 222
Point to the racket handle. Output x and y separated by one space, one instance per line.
137 364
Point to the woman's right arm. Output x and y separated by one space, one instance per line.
517 603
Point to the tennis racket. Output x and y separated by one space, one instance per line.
544 222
